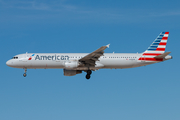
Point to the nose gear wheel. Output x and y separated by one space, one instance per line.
25 70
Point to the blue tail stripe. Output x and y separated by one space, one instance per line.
155 44
152 49
157 41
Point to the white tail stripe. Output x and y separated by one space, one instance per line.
161 46
164 41
166 35
160 52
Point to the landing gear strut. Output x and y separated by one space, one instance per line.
25 70
89 72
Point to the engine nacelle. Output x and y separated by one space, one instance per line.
71 72
71 64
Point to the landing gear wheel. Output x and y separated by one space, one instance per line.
25 70
24 74
89 72
88 76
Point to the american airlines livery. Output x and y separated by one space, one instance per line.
75 63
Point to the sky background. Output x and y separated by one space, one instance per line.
78 26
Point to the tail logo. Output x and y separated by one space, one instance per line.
156 48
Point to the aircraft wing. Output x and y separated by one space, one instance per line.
163 55
91 58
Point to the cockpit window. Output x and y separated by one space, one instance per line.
15 58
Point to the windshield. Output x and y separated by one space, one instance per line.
14 57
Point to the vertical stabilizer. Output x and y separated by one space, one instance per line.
156 48
159 44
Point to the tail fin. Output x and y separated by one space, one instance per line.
156 48
159 45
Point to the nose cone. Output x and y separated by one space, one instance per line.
9 63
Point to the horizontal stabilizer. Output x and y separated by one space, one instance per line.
163 55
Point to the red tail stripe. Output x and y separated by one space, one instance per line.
152 54
150 59
164 38
162 43
166 32
160 49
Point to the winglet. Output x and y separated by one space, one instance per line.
107 45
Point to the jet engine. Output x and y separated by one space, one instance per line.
71 72
71 64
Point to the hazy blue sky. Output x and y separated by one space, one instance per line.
145 93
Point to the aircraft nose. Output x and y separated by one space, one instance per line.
9 63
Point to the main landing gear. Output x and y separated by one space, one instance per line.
89 72
25 70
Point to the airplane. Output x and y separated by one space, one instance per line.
75 63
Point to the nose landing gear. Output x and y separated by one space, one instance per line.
88 76
25 70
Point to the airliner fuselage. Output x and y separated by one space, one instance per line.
75 63
55 60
